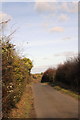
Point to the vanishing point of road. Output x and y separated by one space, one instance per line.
50 103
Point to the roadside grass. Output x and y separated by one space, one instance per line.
24 108
64 90
67 92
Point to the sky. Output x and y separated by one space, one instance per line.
46 32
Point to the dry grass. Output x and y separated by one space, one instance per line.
66 91
25 108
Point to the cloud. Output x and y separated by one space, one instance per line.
29 25
43 43
45 0
46 24
36 43
63 17
71 7
67 38
39 69
57 29
4 17
44 6
67 54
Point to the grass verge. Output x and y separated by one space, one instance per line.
66 91
24 108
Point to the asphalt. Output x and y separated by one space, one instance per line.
50 103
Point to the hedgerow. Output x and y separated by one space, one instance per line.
15 74
68 74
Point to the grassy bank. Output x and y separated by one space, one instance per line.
24 108
62 89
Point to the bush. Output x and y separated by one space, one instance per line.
48 75
15 75
68 73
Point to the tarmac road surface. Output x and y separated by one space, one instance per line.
50 103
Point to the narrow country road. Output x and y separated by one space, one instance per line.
50 103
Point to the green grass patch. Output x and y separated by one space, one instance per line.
69 92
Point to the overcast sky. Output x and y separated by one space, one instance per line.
47 31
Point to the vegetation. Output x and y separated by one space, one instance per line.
48 75
36 77
66 75
24 108
15 74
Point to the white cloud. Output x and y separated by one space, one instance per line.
67 38
44 6
4 17
37 43
43 43
46 24
67 54
45 0
39 69
64 6
71 7
57 29
63 17
29 24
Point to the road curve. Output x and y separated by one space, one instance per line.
50 103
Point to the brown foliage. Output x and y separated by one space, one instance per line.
68 73
48 75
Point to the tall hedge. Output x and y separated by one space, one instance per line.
68 73
15 74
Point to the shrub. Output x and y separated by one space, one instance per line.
15 75
68 73
48 75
